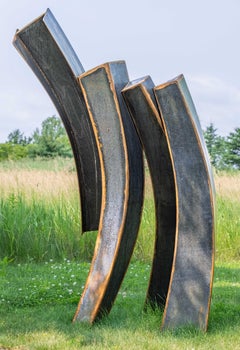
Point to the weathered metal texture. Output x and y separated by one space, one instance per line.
48 52
188 300
142 106
122 187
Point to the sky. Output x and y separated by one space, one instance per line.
199 39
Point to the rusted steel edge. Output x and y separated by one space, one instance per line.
121 160
141 102
190 288
49 54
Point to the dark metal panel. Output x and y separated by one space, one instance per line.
122 187
189 295
48 52
143 109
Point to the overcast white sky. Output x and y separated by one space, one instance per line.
155 37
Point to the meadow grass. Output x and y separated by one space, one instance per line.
40 214
228 218
44 262
53 164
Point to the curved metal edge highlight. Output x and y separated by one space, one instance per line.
63 43
122 178
49 54
140 100
190 289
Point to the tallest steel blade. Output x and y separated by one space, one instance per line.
48 52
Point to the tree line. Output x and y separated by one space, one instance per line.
224 152
51 140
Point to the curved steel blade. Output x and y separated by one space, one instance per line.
122 193
143 109
188 300
48 52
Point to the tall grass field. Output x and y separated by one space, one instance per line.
45 259
40 214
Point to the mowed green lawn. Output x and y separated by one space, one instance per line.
38 302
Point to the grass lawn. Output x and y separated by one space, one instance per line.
38 301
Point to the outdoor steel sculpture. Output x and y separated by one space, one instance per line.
107 119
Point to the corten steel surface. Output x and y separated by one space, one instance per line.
122 187
48 52
188 300
143 108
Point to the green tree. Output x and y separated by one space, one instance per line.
233 149
12 151
52 140
16 137
216 146
15 147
